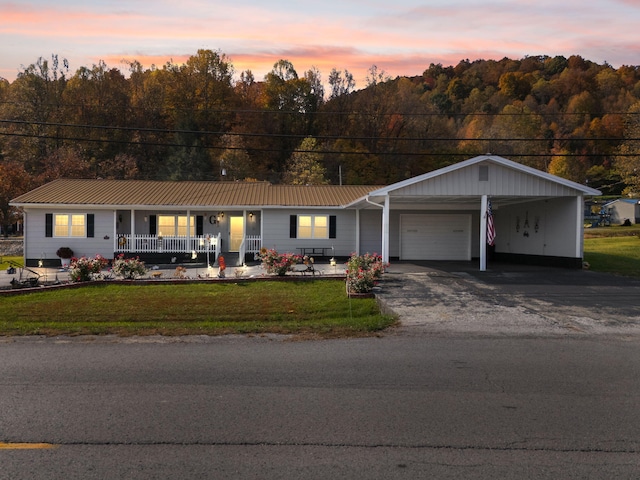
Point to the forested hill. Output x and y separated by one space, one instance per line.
568 116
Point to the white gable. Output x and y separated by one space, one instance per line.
486 175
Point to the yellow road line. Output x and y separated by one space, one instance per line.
26 446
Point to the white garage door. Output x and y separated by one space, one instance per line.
435 237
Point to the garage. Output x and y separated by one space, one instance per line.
435 237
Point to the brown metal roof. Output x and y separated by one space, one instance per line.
155 193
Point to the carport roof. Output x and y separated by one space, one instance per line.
516 183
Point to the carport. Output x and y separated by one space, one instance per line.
442 215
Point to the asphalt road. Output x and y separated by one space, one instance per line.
398 406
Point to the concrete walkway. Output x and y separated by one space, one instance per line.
49 276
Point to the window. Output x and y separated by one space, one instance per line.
176 225
313 226
69 225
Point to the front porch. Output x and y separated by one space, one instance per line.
185 249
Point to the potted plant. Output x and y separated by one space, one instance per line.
65 254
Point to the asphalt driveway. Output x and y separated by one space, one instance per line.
457 298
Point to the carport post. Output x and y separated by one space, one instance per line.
483 233
385 230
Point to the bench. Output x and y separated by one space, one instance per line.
319 251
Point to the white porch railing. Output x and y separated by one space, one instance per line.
249 244
252 243
127 243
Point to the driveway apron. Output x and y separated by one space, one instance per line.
457 298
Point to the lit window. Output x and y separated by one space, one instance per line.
175 225
304 226
313 226
66 225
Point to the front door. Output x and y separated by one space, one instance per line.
236 226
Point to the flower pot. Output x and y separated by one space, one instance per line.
65 262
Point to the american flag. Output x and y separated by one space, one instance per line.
491 229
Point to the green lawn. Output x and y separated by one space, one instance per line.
6 259
614 254
306 308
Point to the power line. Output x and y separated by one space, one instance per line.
285 135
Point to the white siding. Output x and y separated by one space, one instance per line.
276 231
38 246
538 228
502 181
371 231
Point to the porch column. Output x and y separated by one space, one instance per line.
115 230
189 249
483 233
132 243
385 230
357 246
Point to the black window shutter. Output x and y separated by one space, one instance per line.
90 225
153 222
293 226
48 225
199 225
332 226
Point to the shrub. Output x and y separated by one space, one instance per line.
128 268
278 263
84 269
363 272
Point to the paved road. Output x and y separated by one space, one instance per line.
500 374
400 406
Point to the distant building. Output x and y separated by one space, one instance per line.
623 209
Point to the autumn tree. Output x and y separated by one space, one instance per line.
234 159
35 101
305 165
14 181
627 161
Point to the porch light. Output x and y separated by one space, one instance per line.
251 215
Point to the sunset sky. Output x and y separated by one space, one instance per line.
401 37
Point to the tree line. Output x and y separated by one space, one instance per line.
202 121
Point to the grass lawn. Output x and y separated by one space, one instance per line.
4 261
305 308
614 254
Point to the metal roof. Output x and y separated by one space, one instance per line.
138 193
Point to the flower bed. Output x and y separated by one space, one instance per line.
363 272
84 269
278 263
128 268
